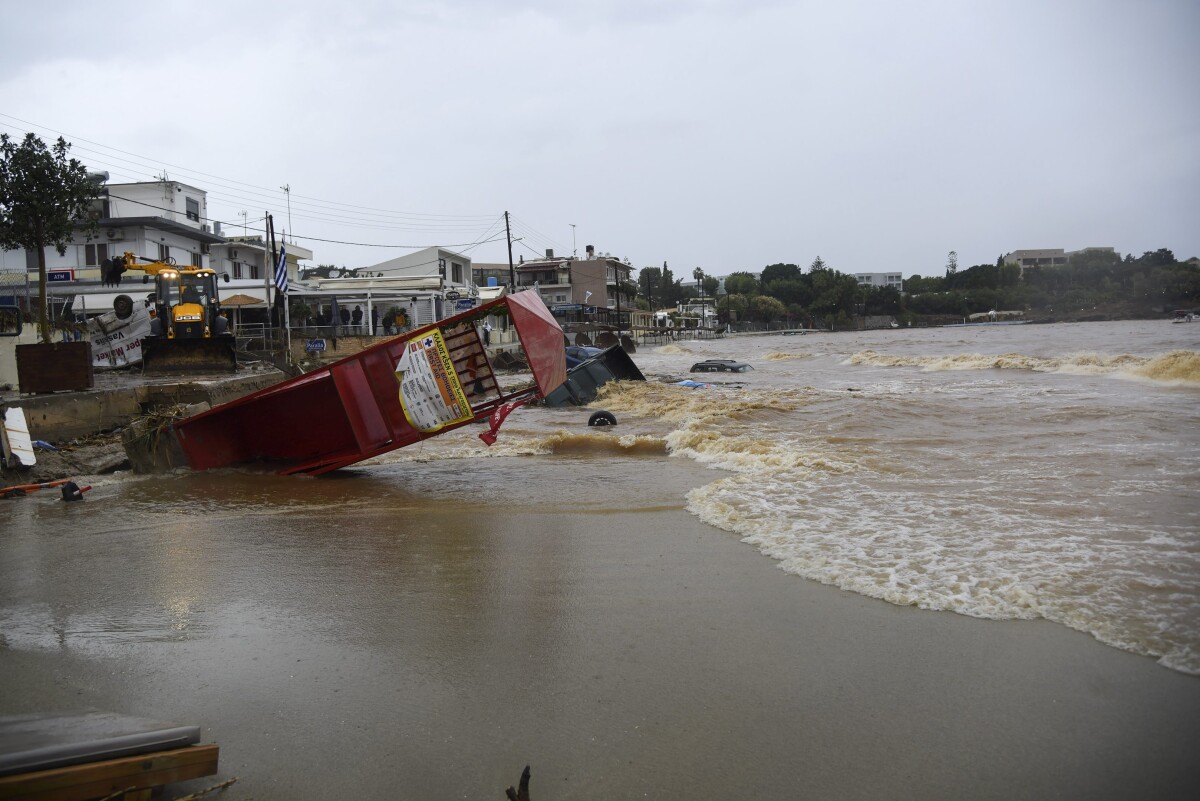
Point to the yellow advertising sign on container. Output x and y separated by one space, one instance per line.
430 393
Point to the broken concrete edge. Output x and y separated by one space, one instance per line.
90 427
150 441
62 417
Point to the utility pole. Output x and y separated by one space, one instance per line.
574 250
512 275
287 189
617 273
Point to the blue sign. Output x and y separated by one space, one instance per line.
314 346
465 303
60 275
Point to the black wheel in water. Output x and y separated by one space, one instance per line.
602 418
123 306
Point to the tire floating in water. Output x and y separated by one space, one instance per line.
602 418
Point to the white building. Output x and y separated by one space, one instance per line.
154 220
453 268
250 266
894 280
1048 257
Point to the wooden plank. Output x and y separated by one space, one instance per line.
97 779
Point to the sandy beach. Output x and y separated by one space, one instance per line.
413 631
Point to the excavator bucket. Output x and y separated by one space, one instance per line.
211 355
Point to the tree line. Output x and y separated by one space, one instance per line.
822 296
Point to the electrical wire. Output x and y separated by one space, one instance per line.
323 211
273 194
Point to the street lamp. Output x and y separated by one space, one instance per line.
698 274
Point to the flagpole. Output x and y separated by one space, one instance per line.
280 292
287 312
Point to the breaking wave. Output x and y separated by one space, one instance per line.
675 404
780 356
1180 366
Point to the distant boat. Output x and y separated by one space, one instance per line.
1184 317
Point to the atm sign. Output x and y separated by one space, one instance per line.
60 275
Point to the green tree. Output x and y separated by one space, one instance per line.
44 197
767 308
780 272
741 284
732 308
791 291
650 280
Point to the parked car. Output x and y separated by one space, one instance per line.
720 366
582 352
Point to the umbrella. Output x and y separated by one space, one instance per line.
242 300
236 302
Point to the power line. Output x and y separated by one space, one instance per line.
259 190
318 239
379 219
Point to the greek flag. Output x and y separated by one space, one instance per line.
281 270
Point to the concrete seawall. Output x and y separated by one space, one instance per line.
119 399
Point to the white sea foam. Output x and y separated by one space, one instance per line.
1001 497
1180 367
997 494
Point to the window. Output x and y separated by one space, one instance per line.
94 254
193 209
164 251
254 271
237 269
196 260
456 272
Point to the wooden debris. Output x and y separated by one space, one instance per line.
514 795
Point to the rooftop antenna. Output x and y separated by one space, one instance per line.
243 222
574 250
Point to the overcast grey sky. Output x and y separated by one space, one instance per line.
704 133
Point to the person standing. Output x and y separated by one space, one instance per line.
374 320
356 317
487 334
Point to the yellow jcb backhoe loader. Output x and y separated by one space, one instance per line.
187 331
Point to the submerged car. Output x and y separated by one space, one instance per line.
582 352
720 366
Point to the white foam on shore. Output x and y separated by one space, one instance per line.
1177 367
979 559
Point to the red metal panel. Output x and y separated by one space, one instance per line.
350 410
362 408
542 338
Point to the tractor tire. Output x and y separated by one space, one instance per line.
123 306
602 418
